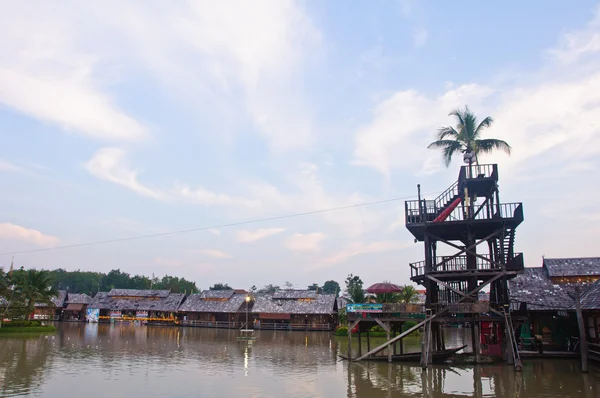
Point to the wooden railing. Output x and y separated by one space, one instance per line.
212 324
459 263
593 352
480 171
294 326
430 211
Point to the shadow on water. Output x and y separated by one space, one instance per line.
135 360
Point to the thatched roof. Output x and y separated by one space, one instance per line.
202 302
78 298
134 302
590 299
58 301
294 294
217 294
283 304
138 293
535 288
557 267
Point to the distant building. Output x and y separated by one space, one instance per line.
131 304
296 310
546 295
76 306
53 310
215 308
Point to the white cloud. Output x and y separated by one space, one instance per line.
205 197
45 75
16 232
5 165
579 43
212 253
109 164
214 231
252 236
304 242
404 124
359 248
420 36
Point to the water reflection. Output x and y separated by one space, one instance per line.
128 360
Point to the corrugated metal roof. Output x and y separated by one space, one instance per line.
199 303
321 304
585 266
138 293
149 303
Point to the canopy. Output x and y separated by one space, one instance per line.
379 288
74 307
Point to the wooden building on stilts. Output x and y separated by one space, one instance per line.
468 237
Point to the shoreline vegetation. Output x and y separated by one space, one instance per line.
19 326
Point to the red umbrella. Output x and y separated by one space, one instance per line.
380 288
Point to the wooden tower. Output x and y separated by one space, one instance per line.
478 232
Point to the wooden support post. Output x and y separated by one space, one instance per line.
389 348
401 346
349 342
429 344
359 344
477 346
368 342
582 340
395 345
350 327
424 347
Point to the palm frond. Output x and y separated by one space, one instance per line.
444 132
491 144
485 123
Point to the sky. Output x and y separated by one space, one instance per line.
123 119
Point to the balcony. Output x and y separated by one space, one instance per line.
458 265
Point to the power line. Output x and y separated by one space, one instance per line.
236 224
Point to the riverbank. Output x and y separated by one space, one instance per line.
27 329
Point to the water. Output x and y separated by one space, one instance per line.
138 361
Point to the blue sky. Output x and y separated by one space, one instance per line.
121 120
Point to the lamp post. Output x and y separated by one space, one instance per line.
247 304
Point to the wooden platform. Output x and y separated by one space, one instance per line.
438 356
548 354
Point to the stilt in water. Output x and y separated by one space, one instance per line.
359 344
477 347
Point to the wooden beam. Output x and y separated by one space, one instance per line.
468 248
582 341
383 325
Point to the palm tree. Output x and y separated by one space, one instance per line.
36 287
466 137
408 295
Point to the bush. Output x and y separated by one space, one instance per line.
20 324
341 331
377 328
407 325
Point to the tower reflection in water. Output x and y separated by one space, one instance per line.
539 378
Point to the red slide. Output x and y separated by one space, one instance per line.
443 215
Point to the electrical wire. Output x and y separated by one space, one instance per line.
236 224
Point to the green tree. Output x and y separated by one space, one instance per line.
314 286
331 287
220 286
408 295
35 287
354 289
269 289
387 298
466 137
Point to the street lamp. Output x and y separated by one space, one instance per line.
247 304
